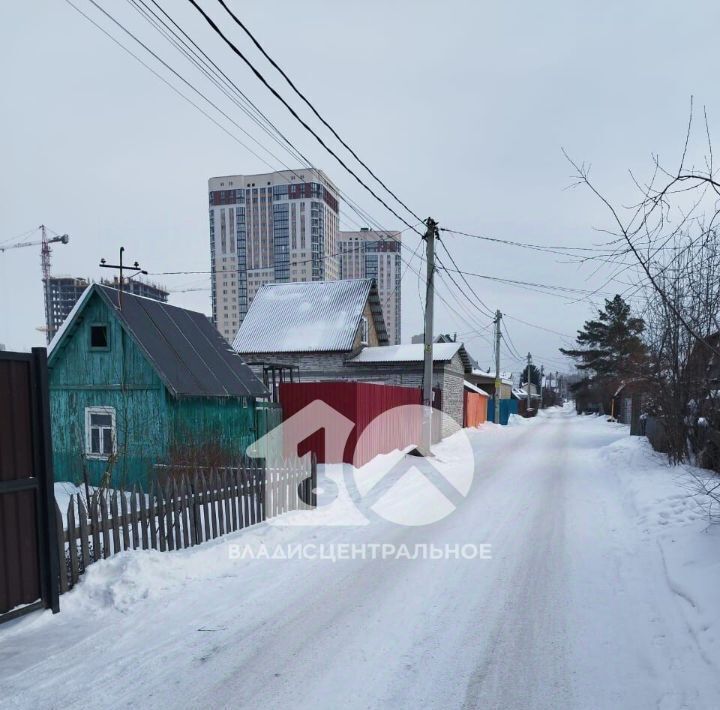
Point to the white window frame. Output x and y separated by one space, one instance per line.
89 411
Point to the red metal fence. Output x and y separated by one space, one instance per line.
360 403
476 408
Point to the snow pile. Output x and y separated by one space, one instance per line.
673 515
518 420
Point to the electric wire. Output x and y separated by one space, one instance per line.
360 213
293 112
350 202
467 283
311 107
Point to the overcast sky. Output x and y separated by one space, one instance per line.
461 107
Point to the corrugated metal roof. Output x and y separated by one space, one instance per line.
413 352
309 316
186 350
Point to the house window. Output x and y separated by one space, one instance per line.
99 336
100 439
364 330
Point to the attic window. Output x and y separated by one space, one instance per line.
364 331
98 337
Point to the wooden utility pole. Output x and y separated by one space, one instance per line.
430 234
498 318
121 267
529 378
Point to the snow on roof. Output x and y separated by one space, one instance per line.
505 377
307 317
522 394
475 388
412 352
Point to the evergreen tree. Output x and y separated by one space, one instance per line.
534 375
609 349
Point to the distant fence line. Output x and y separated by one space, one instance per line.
187 510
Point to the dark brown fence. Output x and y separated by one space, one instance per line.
187 510
28 570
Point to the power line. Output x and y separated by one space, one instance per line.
526 245
163 79
291 263
474 326
290 148
311 107
469 318
185 52
483 312
205 65
212 71
524 284
398 285
539 327
474 293
294 113
508 339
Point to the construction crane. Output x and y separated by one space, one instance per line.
45 252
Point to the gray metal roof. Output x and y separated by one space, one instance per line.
310 316
412 353
184 347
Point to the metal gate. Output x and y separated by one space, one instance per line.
28 567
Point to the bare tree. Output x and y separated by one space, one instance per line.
683 370
664 244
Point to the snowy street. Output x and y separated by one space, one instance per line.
601 593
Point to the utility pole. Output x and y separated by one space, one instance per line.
430 234
542 373
498 318
557 384
529 367
121 267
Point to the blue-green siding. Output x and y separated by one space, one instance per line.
149 420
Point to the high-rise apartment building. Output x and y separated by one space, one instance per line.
378 255
139 287
268 228
64 292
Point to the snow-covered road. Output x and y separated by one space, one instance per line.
600 594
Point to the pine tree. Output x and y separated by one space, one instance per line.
610 350
534 375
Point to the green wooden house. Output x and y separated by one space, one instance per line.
137 385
